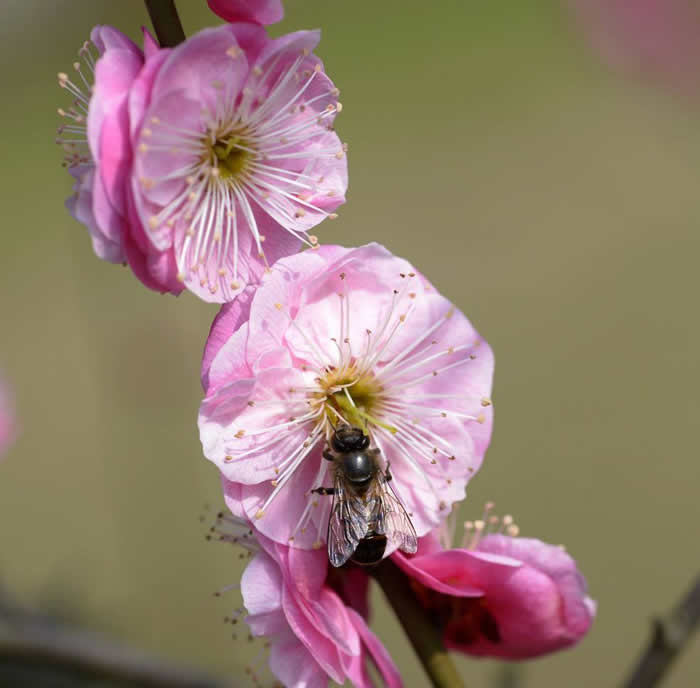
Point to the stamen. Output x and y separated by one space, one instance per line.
489 524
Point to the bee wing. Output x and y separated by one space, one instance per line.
347 525
392 520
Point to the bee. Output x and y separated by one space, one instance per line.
365 513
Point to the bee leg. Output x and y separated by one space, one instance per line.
328 455
324 490
387 473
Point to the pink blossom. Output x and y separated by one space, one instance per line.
292 600
199 154
655 38
258 11
500 595
351 334
8 423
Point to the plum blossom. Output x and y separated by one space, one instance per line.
305 612
659 39
343 335
198 155
8 422
258 11
500 595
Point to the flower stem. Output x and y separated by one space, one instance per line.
419 628
166 22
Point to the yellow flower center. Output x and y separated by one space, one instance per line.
352 396
229 154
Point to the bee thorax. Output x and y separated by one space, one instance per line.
358 467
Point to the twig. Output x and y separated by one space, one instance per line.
423 634
166 22
669 636
30 641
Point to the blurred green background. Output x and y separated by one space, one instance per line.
554 202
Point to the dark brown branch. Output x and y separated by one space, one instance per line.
30 642
424 636
669 636
166 22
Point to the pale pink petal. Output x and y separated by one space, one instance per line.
294 665
140 92
448 572
107 38
232 497
115 71
229 331
382 659
324 650
283 515
150 44
261 587
195 66
106 244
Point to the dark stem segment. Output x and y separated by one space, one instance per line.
668 638
33 646
166 22
424 636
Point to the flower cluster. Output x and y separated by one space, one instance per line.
347 403
201 165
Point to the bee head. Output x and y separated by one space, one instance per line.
348 439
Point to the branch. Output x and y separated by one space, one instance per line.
669 637
166 22
424 636
31 642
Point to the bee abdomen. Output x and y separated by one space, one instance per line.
370 550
